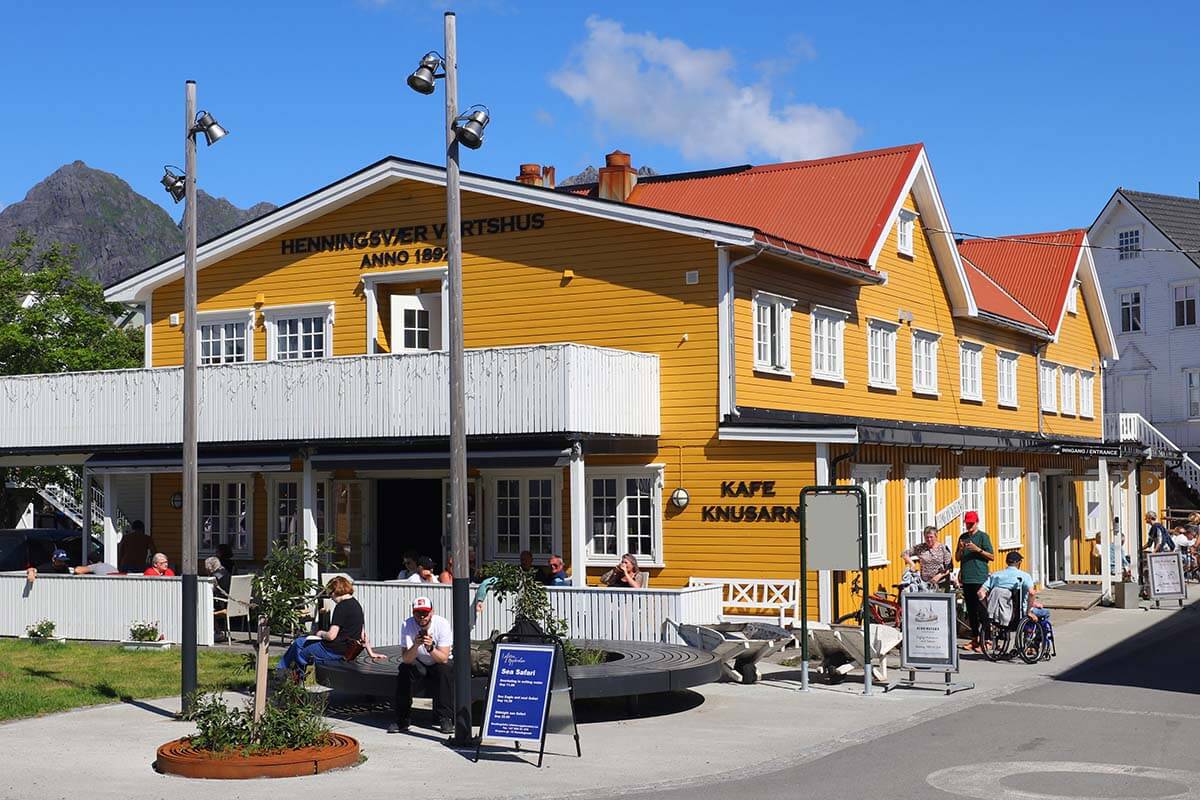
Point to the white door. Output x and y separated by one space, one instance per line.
416 322
1133 395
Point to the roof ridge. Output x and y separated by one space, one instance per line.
855 156
1124 190
1003 291
1000 239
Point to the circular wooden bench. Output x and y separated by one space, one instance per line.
633 668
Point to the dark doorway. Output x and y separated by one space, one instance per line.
409 518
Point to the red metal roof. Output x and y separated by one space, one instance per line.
838 206
989 297
1035 269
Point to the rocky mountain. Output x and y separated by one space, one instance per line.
115 230
591 175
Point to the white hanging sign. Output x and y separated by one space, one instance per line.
949 513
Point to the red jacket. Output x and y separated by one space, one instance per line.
153 573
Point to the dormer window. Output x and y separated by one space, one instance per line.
904 231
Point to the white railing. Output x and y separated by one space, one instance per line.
101 607
590 613
510 390
1136 428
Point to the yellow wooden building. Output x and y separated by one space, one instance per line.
737 333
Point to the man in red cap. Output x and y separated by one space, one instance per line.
427 640
975 552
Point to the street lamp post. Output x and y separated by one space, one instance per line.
469 133
193 124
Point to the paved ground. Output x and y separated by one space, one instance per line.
753 741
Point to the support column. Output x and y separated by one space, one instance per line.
372 316
88 513
110 522
578 517
825 577
1132 524
308 516
1106 533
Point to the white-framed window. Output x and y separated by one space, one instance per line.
1091 507
1010 508
1069 389
1185 304
283 512
905 223
970 370
773 333
828 329
924 361
299 332
881 353
919 509
1131 310
1087 388
1193 393
972 488
873 478
1073 298
1006 379
1129 244
1049 373
225 337
226 514
525 513
625 514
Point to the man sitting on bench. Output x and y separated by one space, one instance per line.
425 662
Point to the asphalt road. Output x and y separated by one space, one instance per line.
1125 724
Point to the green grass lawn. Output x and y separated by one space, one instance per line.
44 678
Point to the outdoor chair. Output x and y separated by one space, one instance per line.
237 604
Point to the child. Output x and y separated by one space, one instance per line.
911 580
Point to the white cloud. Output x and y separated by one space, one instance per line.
669 93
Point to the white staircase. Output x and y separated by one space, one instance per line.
1136 428
68 498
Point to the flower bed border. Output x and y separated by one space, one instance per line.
178 757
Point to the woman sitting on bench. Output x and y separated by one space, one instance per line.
345 634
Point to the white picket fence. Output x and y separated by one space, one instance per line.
590 613
101 607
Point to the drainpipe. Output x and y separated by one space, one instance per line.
725 292
1038 350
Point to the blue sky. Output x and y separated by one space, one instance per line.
1032 112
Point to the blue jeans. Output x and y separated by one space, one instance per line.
1040 613
303 652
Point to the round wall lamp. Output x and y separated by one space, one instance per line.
680 498
177 500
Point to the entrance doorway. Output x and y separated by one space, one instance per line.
409 514
1060 523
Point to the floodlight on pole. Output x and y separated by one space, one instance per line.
424 76
212 130
470 132
173 180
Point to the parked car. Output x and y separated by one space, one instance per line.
20 547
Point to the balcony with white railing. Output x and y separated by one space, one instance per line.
526 390
1136 429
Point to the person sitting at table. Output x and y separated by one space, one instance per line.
158 567
424 572
625 575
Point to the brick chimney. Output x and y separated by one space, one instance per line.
530 174
617 177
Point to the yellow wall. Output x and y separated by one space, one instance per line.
1076 347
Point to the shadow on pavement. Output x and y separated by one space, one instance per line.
1139 660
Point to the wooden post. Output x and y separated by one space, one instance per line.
261 667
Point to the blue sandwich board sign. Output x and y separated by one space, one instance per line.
519 694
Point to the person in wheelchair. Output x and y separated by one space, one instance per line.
1007 579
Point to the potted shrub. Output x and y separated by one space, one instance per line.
145 636
42 632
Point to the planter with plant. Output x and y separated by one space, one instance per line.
145 636
285 736
42 632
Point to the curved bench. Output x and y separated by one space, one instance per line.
637 668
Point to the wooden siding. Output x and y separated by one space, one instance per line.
166 521
1076 348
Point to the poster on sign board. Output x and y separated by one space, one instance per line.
930 631
519 692
1166 576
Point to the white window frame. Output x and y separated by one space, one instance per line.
1070 389
320 511
1087 394
1191 384
1073 298
492 495
1048 383
971 479
223 480
1008 486
1007 361
873 478
1140 307
243 316
1091 495
273 315
836 319
655 473
772 315
970 360
1175 302
905 231
923 479
933 339
881 372
1129 243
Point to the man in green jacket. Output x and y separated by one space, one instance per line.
975 552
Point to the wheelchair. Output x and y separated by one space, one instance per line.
1030 639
